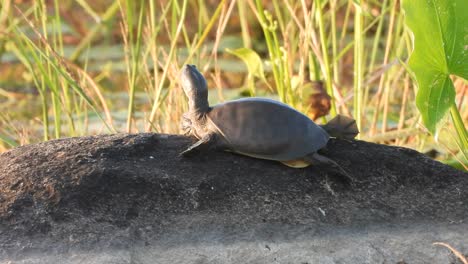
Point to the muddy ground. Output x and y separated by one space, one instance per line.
129 198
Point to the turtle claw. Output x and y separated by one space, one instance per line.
189 150
184 153
186 125
200 143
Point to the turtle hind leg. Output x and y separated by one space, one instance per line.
316 158
342 127
209 140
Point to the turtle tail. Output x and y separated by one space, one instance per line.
342 127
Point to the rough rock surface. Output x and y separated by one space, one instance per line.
129 198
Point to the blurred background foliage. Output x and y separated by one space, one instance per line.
74 68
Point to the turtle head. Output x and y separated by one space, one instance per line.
195 88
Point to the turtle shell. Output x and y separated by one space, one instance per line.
267 129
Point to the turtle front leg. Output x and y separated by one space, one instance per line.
186 124
209 140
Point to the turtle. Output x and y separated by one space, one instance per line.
257 127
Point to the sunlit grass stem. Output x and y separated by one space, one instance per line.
334 41
383 77
247 41
52 83
375 49
358 64
460 128
156 101
327 65
134 46
269 28
49 57
86 41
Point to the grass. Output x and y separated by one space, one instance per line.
112 65
457 253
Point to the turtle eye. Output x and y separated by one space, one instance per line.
201 82
199 79
194 75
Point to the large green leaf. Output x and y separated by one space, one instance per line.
251 59
440 42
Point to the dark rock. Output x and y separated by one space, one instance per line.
129 198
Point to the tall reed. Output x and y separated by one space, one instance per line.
358 49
